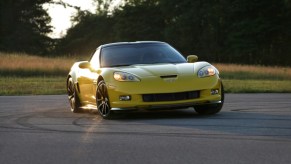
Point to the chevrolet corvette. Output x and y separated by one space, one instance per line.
143 75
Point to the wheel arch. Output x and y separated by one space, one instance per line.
75 81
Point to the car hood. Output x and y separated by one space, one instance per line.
160 69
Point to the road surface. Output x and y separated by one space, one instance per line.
251 128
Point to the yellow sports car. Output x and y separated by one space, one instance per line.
143 75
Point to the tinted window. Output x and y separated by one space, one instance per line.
143 53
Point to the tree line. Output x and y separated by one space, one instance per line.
228 31
24 26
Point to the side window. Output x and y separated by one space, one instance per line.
95 63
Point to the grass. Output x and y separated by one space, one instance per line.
247 72
31 63
32 85
22 74
257 86
255 79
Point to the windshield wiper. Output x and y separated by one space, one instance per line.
120 65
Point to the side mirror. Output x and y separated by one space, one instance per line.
85 65
192 58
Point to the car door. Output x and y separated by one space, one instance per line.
88 80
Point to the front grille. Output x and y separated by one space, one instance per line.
170 96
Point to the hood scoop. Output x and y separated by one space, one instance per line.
168 76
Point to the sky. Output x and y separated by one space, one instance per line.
61 16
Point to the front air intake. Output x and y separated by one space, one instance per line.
168 76
170 96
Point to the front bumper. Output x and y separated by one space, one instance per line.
169 106
136 89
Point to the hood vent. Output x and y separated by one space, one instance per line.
169 76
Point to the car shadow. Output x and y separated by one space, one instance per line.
156 114
236 124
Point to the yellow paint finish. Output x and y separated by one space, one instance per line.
152 86
182 78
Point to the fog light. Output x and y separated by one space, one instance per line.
125 98
214 91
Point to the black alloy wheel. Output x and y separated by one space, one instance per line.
73 97
102 101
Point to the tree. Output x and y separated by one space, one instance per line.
139 20
229 31
131 22
195 27
258 31
83 38
24 25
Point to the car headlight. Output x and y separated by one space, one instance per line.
122 76
207 71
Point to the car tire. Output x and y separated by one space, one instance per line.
73 96
102 101
211 108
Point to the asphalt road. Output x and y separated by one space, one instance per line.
252 128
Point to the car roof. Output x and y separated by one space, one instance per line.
127 43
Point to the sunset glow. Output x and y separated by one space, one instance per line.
61 16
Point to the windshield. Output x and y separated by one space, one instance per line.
143 53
